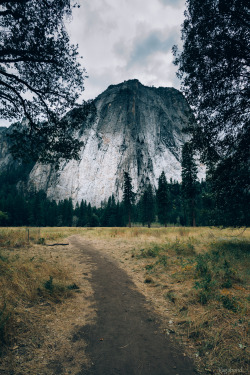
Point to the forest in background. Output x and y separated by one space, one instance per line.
168 205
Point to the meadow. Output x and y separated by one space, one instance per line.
195 279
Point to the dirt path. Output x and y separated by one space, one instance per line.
126 340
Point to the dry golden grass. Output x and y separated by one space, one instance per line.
163 263
40 307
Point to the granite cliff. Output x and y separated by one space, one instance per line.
134 128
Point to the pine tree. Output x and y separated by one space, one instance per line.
189 180
128 196
89 214
3 218
82 214
162 197
148 210
176 215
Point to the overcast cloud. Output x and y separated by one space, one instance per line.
126 39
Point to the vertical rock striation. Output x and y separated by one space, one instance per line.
136 129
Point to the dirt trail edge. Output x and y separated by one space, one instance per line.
126 340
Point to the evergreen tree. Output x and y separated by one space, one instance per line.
109 217
189 180
148 209
128 196
82 215
68 212
162 198
176 207
89 214
120 222
94 221
52 214
3 218
230 184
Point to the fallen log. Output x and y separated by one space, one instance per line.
58 244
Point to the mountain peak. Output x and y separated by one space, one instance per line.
134 128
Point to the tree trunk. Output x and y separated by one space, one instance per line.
193 213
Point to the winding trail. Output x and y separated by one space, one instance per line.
125 340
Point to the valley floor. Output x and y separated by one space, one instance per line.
121 300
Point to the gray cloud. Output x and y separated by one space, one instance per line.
173 3
155 41
121 40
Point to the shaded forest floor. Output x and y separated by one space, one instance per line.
195 281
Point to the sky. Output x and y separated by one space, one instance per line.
126 39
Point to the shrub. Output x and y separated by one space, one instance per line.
149 267
230 303
151 252
183 248
49 284
163 260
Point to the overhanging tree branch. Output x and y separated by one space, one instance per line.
36 59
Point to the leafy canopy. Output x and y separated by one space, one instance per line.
214 68
40 77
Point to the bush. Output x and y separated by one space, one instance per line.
183 248
230 303
152 252
163 260
49 284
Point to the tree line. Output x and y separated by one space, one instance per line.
34 209
189 203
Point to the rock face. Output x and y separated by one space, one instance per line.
136 129
5 156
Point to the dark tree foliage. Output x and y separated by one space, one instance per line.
128 196
82 214
162 199
189 181
40 78
148 206
18 207
112 214
214 68
230 186
176 214
3 217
